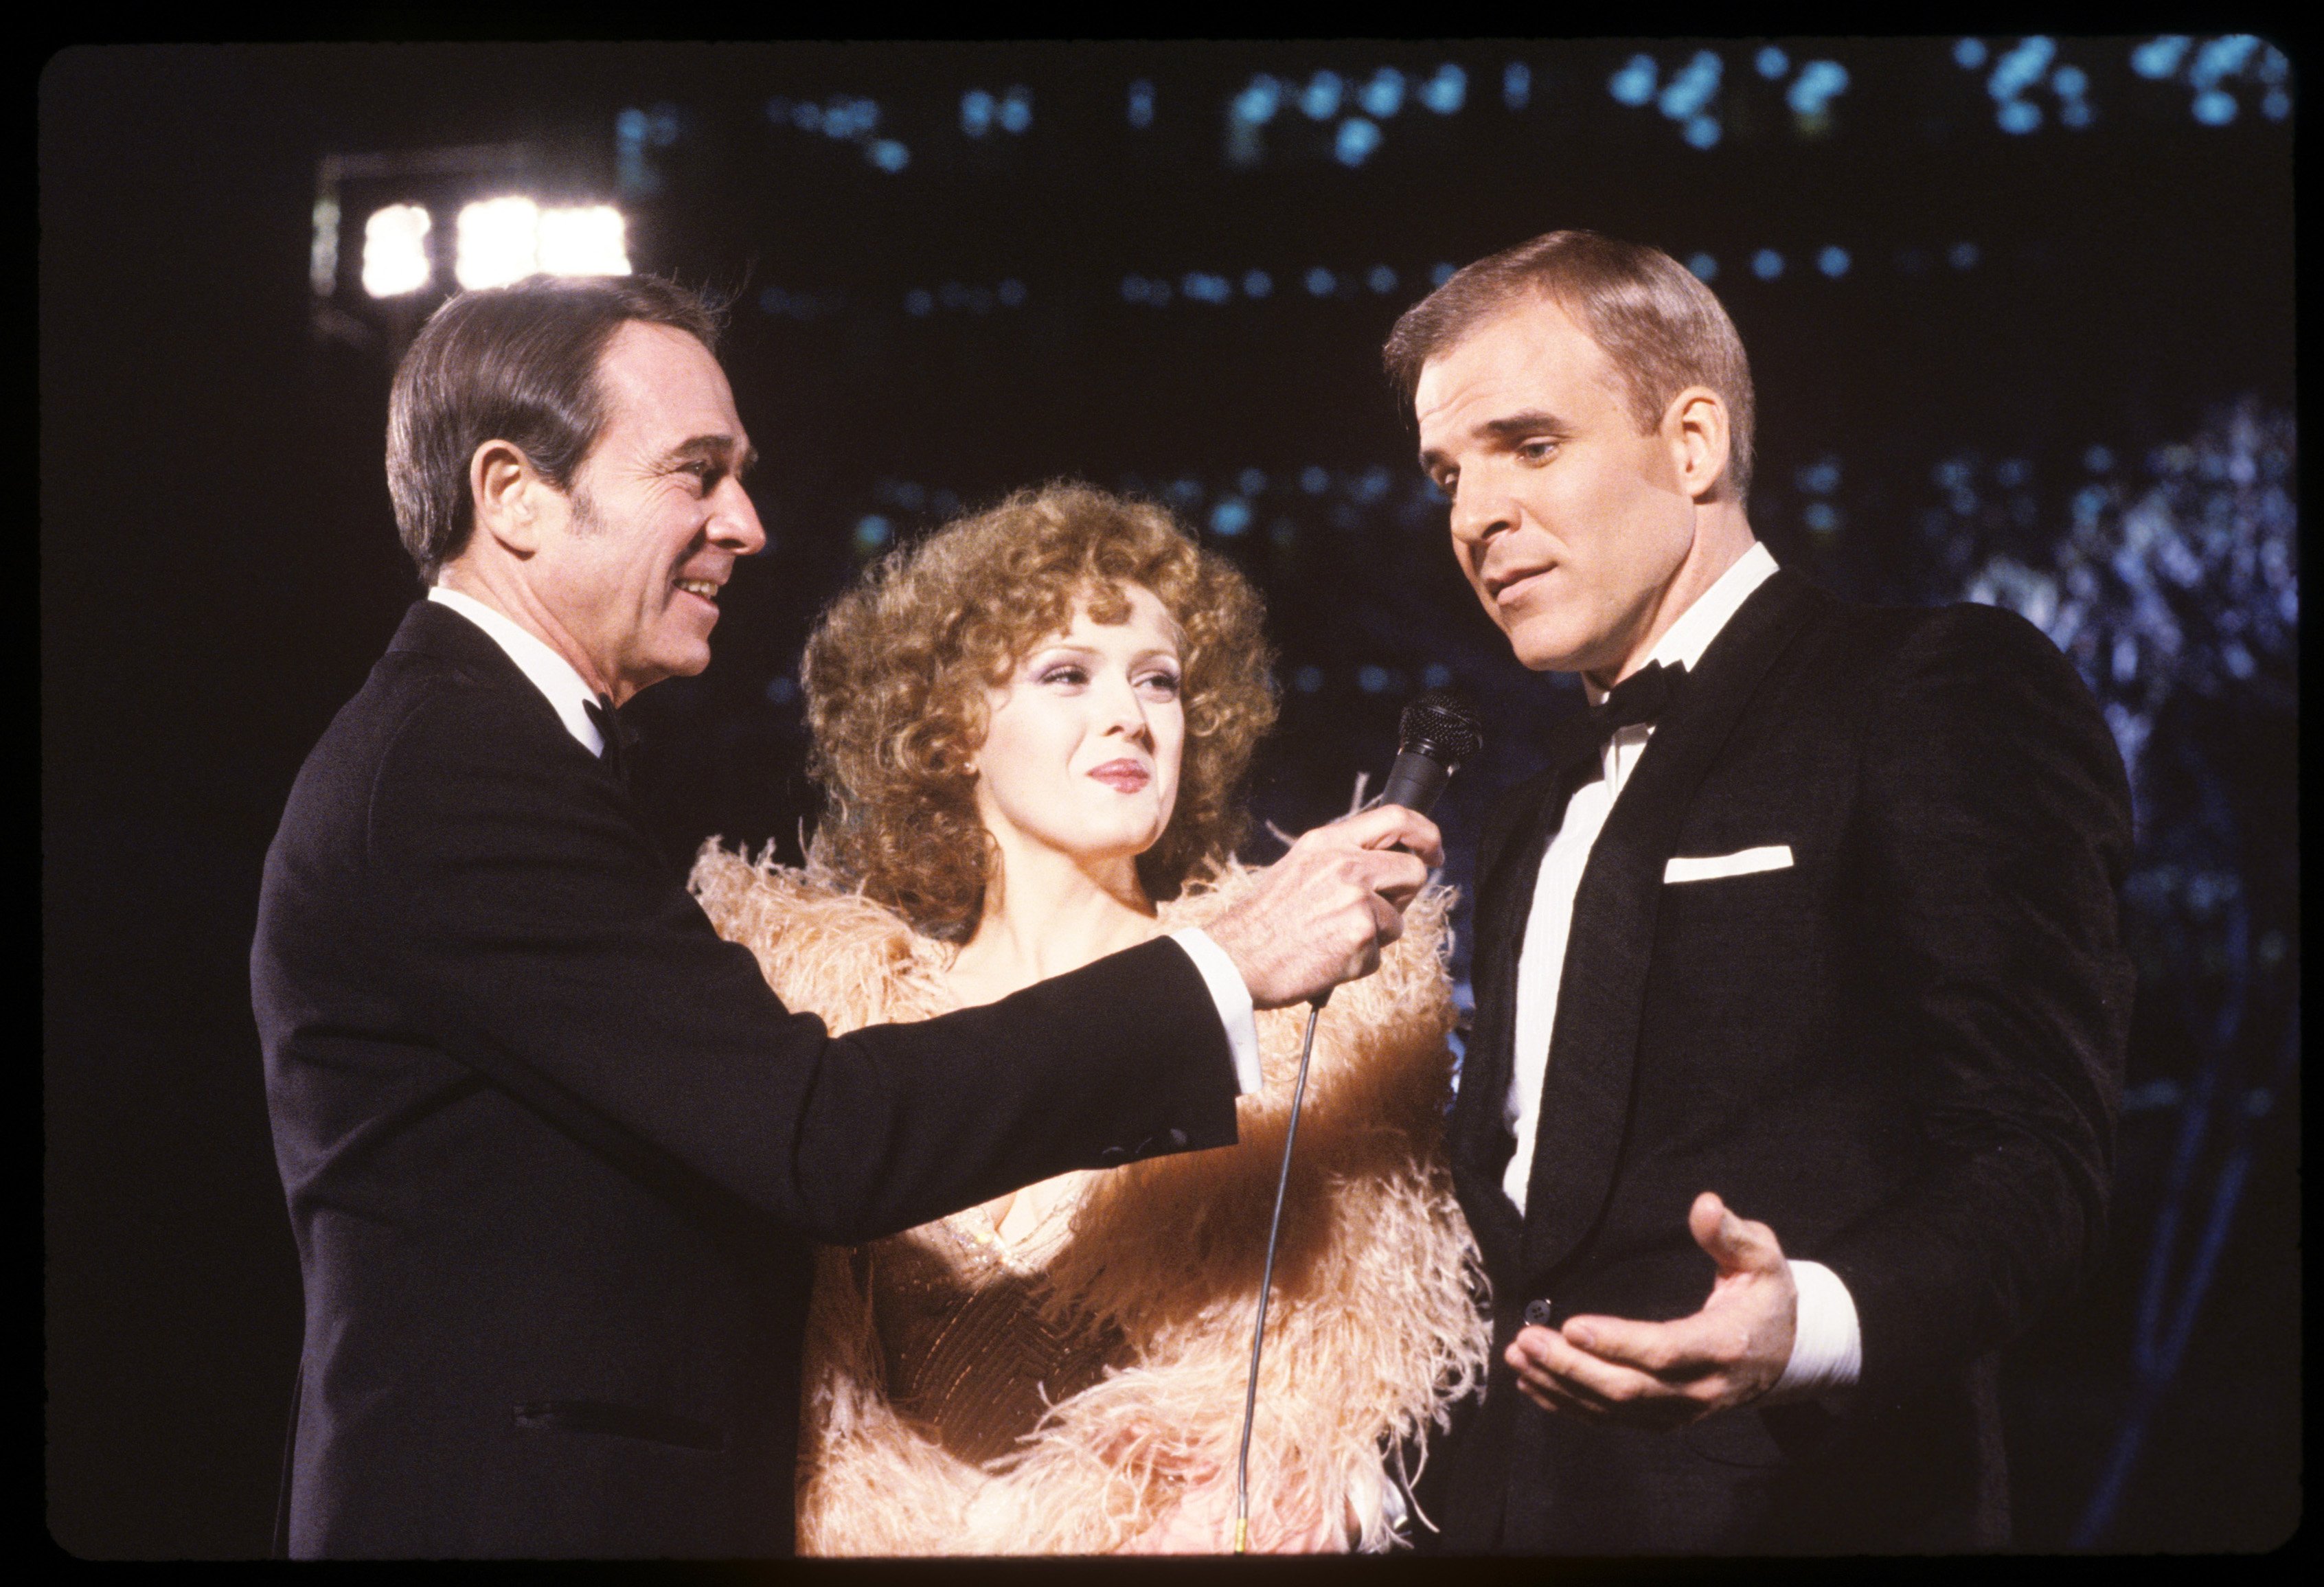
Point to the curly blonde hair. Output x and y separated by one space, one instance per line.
896 674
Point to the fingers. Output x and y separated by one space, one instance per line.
1390 826
1736 1244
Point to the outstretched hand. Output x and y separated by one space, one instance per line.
1321 914
1666 1375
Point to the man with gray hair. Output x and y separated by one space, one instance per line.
1800 1004
554 1153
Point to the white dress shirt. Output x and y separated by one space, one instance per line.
562 687
1827 1345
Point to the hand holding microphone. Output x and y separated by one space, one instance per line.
1321 915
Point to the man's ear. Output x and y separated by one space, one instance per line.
510 494
1695 425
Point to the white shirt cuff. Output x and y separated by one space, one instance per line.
1233 998
1827 1343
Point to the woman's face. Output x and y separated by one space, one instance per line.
1082 753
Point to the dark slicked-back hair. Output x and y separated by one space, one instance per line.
516 363
1662 329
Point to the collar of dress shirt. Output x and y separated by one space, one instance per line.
550 673
1684 641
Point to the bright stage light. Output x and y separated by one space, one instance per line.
395 251
583 241
499 243
505 240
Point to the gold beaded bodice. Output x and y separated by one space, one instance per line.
968 1353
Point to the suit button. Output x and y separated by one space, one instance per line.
1537 1313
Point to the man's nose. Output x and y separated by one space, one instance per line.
1479 513
735 521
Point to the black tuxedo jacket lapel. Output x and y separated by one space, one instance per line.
1601 994
1517 835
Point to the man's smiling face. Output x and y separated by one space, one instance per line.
656 515
1569 523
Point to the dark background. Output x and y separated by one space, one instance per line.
2056 371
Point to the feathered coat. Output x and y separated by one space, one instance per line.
1374 1325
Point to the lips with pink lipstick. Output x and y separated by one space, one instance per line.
1122 776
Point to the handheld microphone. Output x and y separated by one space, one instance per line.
1435 733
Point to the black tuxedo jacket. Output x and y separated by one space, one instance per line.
555 1155
1903 1052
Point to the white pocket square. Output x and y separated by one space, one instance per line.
1742 862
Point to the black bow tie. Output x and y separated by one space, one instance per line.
614 734
1642 696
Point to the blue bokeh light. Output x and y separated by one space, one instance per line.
888 156
1705 268
1252 481
1356 141
1320 99
1256 283
2018 116
1819 83
1307 680
976 113
1320 282
1382 97
919 304
2159 57
1702 131
1256 105
1439 273
1230 517
1771 62
1634 84
1517 84
1833 262
1446 92
1692 88
1381 279
1011 293
2215 107
1962 255
1767 264
1017 110
1141 104
1315 479
1969 53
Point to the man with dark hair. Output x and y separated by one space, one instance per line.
554 1153
1801 1005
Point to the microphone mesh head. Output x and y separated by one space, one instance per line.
1442 723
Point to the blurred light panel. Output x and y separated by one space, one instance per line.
395 251
585 241
498 240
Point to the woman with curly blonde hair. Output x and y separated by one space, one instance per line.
1032 729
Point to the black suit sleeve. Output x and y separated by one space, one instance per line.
553 949
1995 826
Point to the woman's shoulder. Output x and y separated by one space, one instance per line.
826 949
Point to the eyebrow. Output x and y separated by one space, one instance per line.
713 448
1515 427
